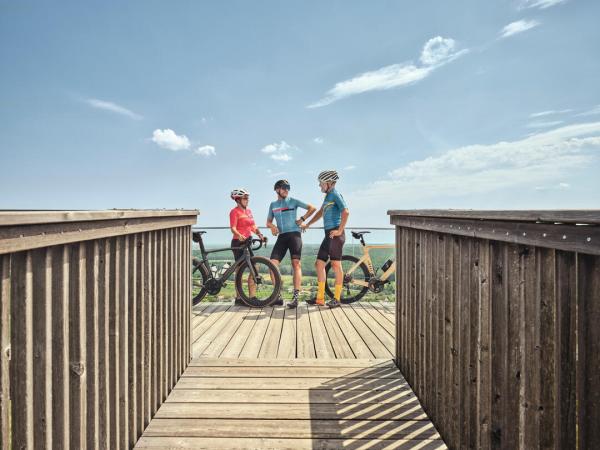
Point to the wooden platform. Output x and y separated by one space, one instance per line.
280 378
266 403
361 330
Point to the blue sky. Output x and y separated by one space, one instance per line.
429 104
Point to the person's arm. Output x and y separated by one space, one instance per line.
270 225
257 232
310 209
344 220
313 219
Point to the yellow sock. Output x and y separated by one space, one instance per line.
321 292
338 292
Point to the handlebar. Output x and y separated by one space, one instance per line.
260 244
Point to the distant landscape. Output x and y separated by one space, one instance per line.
309 279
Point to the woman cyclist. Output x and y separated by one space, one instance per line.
242 226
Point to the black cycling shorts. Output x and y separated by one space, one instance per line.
237 253
287 241
331 248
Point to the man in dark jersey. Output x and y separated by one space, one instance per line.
284 211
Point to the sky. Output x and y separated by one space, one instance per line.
429 104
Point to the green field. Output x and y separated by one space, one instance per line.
309 279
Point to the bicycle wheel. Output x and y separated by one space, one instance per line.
263 290
351 292
200 274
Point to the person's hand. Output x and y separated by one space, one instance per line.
299 221
304 227
241 238
335 233
274 230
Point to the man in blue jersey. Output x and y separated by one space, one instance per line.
335 215
284 210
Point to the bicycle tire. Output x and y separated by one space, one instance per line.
239 283
365 273
204 275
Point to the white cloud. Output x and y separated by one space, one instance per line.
544 124
549 113
349 167
539 4
279 151
436 52
531 161
168 139
112 107
206 150
437 49
591 112
518 27
318 140
281 157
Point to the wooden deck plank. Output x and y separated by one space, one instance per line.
236 343
225 318
410 410
375 312
287 343
293 372
305 347
273 335
354 339
375 345
315 396
227 332
340 345
255 340
176 443
357 384
323 347
215 314
323 362
292 428
388 341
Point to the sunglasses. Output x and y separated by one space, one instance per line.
285 187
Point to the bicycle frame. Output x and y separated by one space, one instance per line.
366 259
244 258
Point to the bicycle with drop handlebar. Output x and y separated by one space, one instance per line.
257 279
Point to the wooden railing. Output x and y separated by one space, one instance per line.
95 324
498 325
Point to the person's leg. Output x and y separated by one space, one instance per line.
335 253
322 258
236 254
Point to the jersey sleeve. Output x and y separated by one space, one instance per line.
270 215
301 204
340 202
233 219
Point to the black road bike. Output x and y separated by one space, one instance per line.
257 279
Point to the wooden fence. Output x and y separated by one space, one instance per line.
94 326
498 325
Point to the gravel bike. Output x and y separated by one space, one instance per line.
257 279
359 275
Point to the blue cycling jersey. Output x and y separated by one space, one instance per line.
333 205
284 212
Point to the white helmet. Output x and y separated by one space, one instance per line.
239 193
328 176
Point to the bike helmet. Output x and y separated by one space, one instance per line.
328 176
282 184
239 193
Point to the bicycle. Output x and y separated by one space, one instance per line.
257 279
359 274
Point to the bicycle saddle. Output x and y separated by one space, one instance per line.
358 234
197 235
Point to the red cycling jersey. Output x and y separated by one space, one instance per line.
242 220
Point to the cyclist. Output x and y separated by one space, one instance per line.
242 226
284 211
335 215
